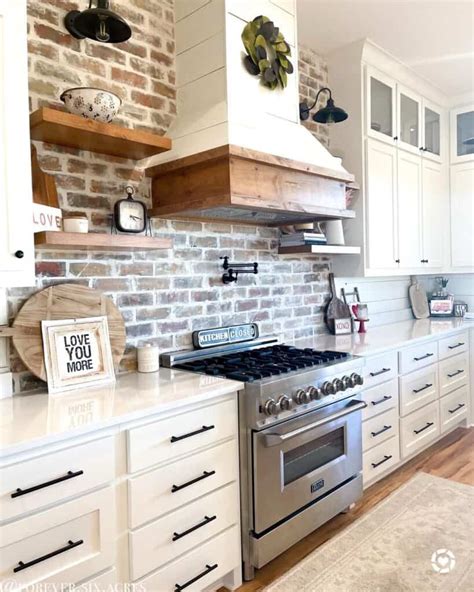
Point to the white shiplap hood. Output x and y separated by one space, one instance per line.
219 103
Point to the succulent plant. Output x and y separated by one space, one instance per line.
267 52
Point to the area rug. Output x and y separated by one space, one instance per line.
420 539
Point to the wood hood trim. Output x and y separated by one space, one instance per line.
231 182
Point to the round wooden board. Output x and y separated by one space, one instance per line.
64 301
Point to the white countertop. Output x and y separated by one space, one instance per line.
31 420
387 337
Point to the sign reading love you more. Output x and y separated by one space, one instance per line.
77 353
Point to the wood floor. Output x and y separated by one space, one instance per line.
450 458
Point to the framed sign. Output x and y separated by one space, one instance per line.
77 353
46 218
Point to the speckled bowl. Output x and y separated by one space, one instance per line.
92 103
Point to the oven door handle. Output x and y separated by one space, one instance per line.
352 407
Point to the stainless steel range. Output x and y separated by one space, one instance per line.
300 435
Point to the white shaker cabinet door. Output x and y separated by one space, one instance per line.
381 206
16 226
435 214
409 209
462 216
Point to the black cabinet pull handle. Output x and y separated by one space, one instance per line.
427 385
380 372
180 535
457 345
385 398
195 433
385 459
70 545
395 137
209 568
205 475
423 357
397 260
19 254
455 373
384 429
69 475
423 260
428 425
460 406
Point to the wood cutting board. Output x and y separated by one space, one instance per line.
418 300
336 308
64 301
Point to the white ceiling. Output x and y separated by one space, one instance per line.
434 37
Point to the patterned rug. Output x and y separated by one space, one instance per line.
419 539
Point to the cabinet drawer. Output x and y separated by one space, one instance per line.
456 344
180 435
36 483
418 389
161 541
61 545
418 356
453 373
453 408
379 428
419 429
380 458
380 398
204 566
101 583
380 369
160 491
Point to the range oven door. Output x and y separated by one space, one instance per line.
302 459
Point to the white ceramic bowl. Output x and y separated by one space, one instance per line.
92 103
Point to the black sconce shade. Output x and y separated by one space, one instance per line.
99 24
328 114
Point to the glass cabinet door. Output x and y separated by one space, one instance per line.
409 127
432 121
462 134
381 112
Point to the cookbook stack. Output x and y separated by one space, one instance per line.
303 237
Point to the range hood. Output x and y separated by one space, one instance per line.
239 151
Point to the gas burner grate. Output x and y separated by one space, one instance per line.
256 364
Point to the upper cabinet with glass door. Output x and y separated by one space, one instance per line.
408 120
433 144
381 106
462 134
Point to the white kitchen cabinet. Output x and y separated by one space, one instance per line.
16 225
434 214
462 216
381 206
434 131
409 127
409 209
381 106
462 134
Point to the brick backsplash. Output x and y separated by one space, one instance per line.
163 295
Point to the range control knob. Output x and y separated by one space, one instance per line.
357 379
301 396
284 403
270 407
337 384
346 383
328 388
315 393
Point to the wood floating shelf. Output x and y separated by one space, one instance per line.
319 250
94 241
65 129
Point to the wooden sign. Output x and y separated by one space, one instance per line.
77 353
342 326
46 218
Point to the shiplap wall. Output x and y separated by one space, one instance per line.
387 298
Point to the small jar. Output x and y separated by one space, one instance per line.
148 358
75 222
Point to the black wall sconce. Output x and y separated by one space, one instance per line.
328 114
99 24
232 270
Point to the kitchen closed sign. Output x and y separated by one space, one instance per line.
77 352
224 335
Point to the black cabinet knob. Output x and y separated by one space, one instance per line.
397 260
19 254
395 137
